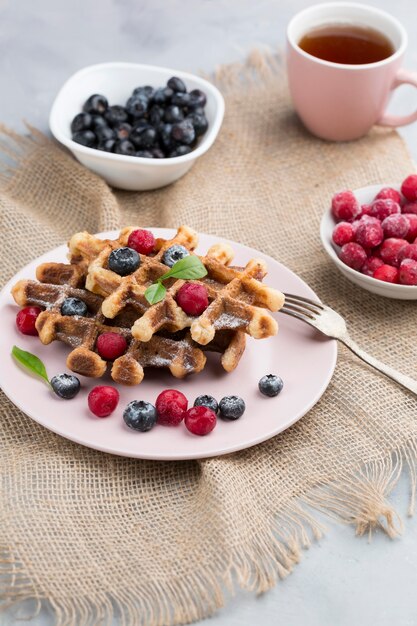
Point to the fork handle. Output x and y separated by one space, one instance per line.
401 379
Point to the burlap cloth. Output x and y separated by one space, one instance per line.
158 543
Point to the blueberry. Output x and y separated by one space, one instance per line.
200 123
85 138
197 99
146 90
137 106
82 121
180 151
107 146
122 130
145 154
96 104
166 137
156 114
140 123
98 121
208 401
176 84
140 415
143 137
183 132
173 114
270 385
181 99
125 147
105 133
74 306
123 261
231 407
174 254
162 95
65 385
157 153
116 114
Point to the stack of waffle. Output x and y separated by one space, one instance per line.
158 335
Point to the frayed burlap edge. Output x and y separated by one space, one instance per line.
360 498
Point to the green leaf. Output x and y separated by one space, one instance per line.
31 362
155 293
188 268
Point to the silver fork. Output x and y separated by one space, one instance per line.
330 323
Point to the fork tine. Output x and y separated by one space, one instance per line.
292 313
299 299
301 310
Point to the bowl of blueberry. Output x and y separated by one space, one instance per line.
139 127
371 236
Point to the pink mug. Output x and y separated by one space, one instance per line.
342 102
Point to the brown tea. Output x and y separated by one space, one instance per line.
348 44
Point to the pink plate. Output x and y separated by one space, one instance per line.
303 358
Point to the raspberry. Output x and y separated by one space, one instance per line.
396 226
111 345
142 241
26 320
408 272
200 420
365 208
369 234
193 298
370 265
102 400
342 233
382 208
345 207
353 255
409 187
387 273
388 193
412 225
391 249
408 252
171 406
410 207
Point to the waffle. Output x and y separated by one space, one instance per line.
238 300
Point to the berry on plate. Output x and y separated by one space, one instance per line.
382 208
111 345
408 272
171 406
412 225
74 306
409 187
207 401
391 249
369 234
200 420
124 261
26 320
371 264
65 385
102 400
345 206
387 273
231 407
174 254
353 255
270 385
193 298
140 415
142 241
396 225
410 207
96 104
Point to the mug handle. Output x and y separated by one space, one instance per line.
403 77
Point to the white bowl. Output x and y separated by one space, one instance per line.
116 81
365 195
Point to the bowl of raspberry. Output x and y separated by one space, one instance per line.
139 127
371 236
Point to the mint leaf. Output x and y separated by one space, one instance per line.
31 362
155 293
189 267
